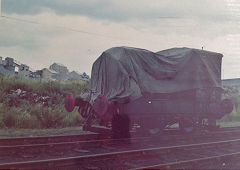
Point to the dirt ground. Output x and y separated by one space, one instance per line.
40 132
66 131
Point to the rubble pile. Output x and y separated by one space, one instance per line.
16 95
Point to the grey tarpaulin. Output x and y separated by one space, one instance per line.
128 73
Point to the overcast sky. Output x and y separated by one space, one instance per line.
76 32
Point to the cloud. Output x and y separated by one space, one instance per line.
186 16
15 31
205 17
115 10
76 32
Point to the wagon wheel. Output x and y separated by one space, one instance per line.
85 111
88 121
151 126
186 126
121 126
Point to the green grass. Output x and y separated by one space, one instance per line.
22 113
233 94
8 83
13 132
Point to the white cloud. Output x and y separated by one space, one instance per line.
77 40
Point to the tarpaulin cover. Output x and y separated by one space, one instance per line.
129 73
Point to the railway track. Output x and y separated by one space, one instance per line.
157 157
48 139
221 161
88 136
65 153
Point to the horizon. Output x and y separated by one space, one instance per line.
48 67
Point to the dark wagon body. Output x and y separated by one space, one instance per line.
157 89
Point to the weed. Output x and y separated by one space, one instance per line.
16 112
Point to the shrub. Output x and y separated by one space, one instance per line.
10 118
72 119
16 112
25 120
1 121
233 94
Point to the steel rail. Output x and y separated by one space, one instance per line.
42 139
98 141
82 137
85 140
58 162
178 164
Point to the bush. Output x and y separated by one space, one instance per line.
72 119
16 112
1 121
25 120
233 94
10 117
8 83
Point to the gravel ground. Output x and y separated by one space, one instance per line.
40 132
68 131
228 124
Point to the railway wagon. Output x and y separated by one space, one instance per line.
137 88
